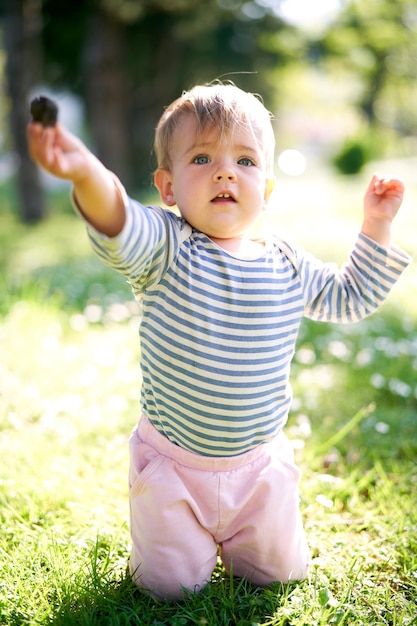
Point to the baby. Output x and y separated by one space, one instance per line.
212 471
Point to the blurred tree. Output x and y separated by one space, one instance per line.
377 41
107 90
171 51
21 29
129 59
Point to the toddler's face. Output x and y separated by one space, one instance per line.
219 185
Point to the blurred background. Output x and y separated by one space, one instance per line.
340 76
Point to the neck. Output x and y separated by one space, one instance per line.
242 245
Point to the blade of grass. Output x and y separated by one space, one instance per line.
346 428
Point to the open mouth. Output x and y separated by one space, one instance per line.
224 197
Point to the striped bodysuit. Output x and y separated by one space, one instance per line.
218 332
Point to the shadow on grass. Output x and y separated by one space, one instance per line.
226 601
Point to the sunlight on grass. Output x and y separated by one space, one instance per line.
69 395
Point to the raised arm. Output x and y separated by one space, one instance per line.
381 203
63 155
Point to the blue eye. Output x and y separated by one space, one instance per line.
202 159
246 161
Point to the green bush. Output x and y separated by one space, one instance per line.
353 156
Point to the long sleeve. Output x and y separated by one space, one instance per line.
357 289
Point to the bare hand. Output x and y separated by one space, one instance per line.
383 198
62 154
381 204
58 151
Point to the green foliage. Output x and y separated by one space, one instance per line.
69 379
372 41
352 158
165 47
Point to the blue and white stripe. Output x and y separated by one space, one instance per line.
218 332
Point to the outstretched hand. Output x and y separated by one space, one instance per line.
383 197
62 154
58 151
382 201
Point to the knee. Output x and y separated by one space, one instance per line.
166 589
294 575
263 574
171 584
291 572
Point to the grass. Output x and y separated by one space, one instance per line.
69 381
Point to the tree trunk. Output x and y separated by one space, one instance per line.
107 93
375 85
22 24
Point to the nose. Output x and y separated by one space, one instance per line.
225 171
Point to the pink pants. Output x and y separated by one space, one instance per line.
185 506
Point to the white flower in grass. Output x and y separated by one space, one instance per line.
324 501
93 313
388 346
304 425
339 350
377 380
364 357
78 322
382 428
118 312
305 355
399 387
329 478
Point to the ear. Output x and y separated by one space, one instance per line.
269 188
163 182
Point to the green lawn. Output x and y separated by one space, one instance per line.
69 388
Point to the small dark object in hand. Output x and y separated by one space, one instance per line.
44 110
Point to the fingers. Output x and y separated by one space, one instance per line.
40 140
33 132
381 185
389 185
46 146
372 184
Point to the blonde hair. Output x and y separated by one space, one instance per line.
216 105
